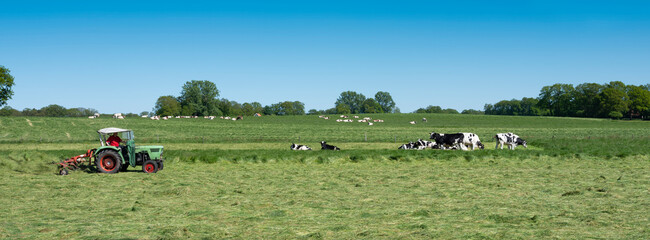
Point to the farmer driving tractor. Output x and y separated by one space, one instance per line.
114 140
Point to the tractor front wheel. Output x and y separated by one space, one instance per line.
108 162
160 165
150 167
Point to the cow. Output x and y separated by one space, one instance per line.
299 147
428 144
407 146
325 146
510 139
457 141
449 141
472 139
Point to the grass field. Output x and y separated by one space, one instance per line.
579 178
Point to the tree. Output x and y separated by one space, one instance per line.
53 110
200 97
9 111
371 106
558 99
247 109
167 106
6 82
353 99
429 109
613 99
639 100
285 108
257 107
586 99
385 101
343 109
472 112
315 112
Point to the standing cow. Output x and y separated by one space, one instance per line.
510 139
457 140
472 139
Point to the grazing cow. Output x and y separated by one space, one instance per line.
370 124
424 119
325 146
412 122
299 147
510 139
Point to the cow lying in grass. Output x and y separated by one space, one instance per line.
510 139
325 146
299 147
419 145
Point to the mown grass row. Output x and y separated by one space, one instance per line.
458 198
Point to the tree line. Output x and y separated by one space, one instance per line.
612 100
200 98
351 102
52 110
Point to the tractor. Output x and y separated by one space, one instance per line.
110 159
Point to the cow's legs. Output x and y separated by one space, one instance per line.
463 147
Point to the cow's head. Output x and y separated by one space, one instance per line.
323 143
522 142
293 146
434 135
480 145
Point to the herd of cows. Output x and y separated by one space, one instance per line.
444 141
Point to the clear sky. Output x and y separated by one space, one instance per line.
120 56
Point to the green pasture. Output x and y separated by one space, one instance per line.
578 179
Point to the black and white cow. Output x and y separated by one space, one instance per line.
407 146
427 144
457 140
299 147
446 141
510 139
472 139
325 146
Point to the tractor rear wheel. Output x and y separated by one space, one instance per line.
150 167
108 162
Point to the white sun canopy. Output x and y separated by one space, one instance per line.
112 130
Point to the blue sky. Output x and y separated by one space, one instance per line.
120 56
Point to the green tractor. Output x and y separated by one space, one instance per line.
110 159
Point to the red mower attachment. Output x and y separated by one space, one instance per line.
75 162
